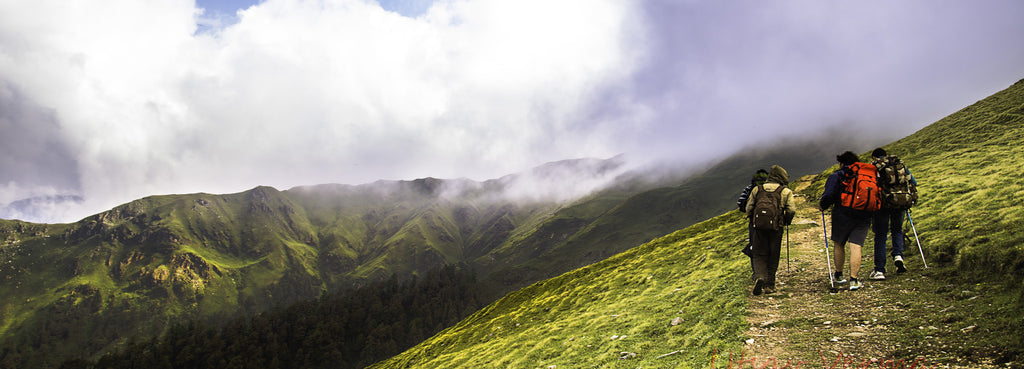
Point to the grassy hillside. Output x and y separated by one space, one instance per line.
674 293
972 185
84 287
622 312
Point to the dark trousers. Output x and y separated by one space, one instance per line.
750 240
885 222
767 249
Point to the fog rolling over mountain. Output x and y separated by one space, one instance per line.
560 181
40 208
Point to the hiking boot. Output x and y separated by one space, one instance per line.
758 286
900 268
876 275
854 284
838 278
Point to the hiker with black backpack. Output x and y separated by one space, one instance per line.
853 190
758 179
899 193
769 210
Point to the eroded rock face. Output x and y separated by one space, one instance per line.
193 265
125 264
161 274
182 271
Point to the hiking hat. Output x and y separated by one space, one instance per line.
878 153
779 175
847 158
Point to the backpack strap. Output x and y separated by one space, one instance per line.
779 190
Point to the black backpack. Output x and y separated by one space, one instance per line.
894 183
767 213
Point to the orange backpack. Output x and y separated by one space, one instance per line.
860 188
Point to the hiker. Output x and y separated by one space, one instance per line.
854 206
769 210
758 179
896 182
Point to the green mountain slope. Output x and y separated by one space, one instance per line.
132 272
678 300
971 209
81 287
620 306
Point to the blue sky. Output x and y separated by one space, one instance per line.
408 8
108 101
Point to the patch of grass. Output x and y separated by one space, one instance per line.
970 181
617 311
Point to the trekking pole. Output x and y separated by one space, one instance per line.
828 258
787 249
917 239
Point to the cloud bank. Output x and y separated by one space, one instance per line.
109 101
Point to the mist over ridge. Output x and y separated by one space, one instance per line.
562 181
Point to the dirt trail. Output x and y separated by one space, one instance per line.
804 325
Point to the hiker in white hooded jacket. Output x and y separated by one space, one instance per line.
766 244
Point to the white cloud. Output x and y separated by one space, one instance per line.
302 92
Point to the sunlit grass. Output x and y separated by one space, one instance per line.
617 311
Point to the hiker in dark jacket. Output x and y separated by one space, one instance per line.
886 221
849 226
758 179
767 243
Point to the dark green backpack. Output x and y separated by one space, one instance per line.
898 192
767 214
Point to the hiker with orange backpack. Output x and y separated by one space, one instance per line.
853 191
769 209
